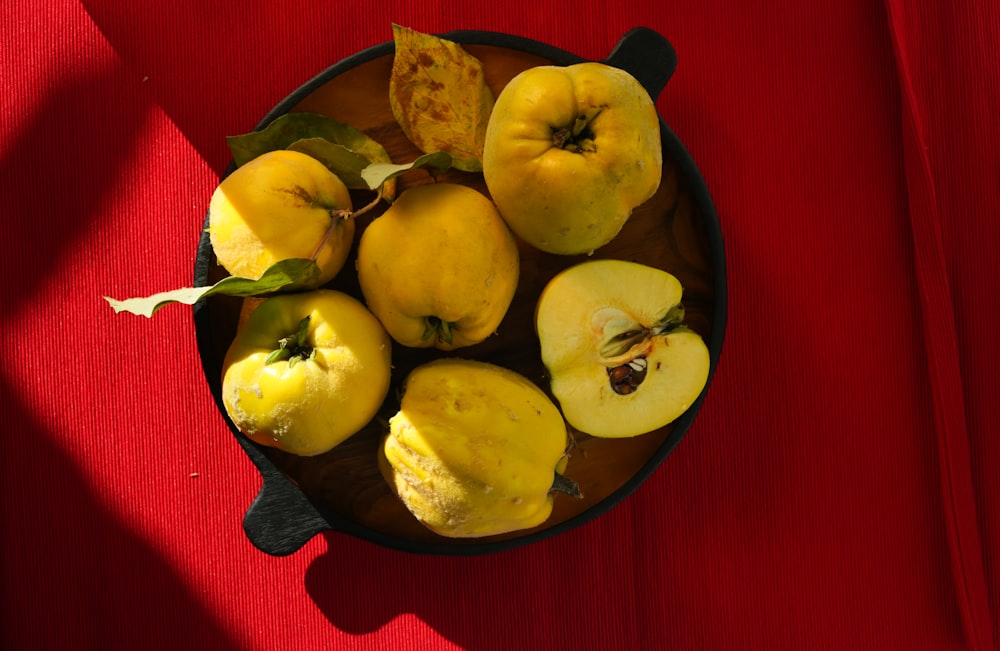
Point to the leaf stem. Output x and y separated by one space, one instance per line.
338 214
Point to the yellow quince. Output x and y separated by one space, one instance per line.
475 449
439 268
283 204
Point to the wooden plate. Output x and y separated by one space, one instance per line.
676 230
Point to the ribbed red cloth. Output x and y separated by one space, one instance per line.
838 490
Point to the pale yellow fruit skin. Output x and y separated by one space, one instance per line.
279 206
441 250
474 449
558 200
570 318
309 407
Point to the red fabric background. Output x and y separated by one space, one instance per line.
839 489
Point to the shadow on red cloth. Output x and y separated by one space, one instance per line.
234 86
71 148
503 600
74 575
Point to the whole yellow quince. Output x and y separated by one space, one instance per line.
570 152
283 204
306 371
439 268
475 449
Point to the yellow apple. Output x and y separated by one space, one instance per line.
439 268
620 360
283 204
306 371
570 152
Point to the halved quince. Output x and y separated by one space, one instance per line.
620 359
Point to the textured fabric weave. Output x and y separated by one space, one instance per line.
838 490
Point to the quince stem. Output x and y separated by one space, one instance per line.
436 327
563 484
579 137
337 214
673 319
294 347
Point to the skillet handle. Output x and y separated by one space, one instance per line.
646 55
281 519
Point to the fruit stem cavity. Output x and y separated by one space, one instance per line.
673 319
579 137
293 348
439 328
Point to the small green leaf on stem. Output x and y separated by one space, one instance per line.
277 355
377 174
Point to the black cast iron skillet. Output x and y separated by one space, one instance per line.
677 230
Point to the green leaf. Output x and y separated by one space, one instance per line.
286 132
343 162
278 276
277 355
378 173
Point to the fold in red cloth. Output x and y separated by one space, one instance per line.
838 489
945 113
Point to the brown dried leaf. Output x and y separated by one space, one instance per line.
439 97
